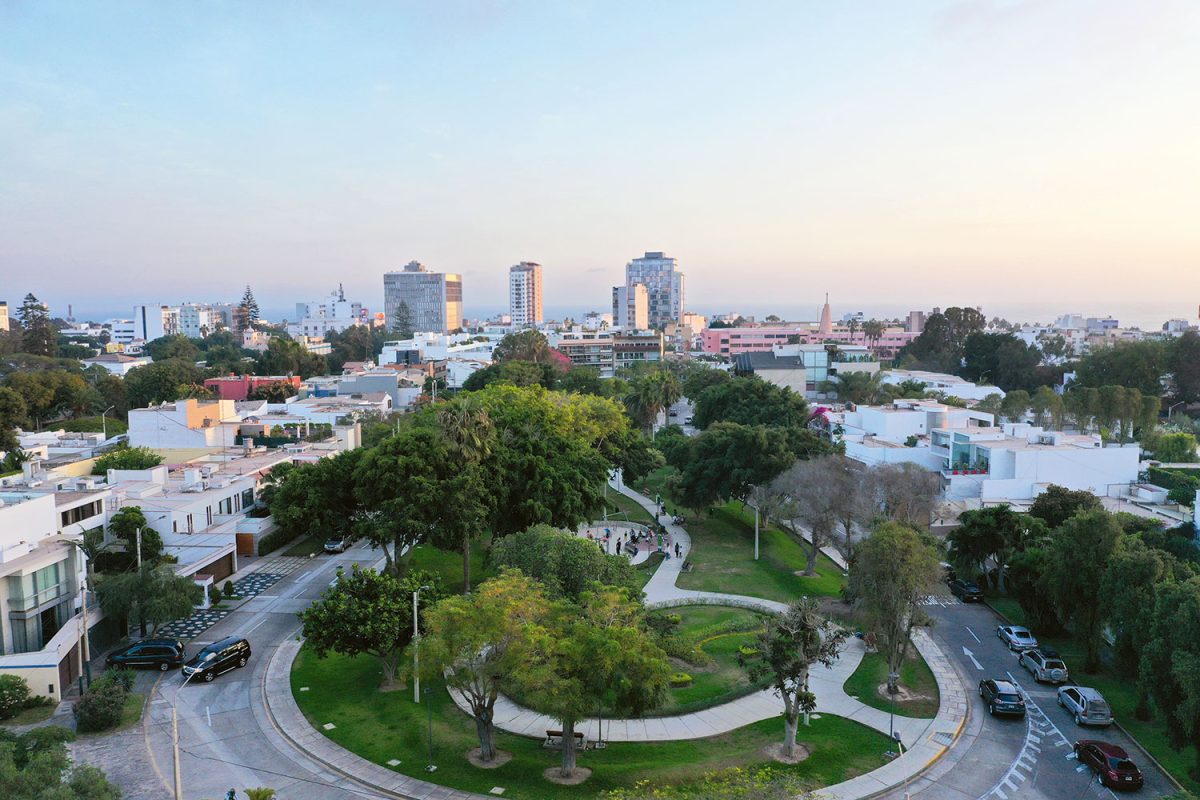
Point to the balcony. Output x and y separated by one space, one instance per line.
47 596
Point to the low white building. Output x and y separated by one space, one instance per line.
950 385
117 363
439 347
185 424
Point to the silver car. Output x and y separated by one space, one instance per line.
1086 704
1017 637
1043 668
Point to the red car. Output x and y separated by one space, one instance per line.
1110 762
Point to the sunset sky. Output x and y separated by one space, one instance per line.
1018 155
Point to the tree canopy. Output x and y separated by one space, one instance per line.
565 564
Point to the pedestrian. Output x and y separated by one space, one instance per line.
677 549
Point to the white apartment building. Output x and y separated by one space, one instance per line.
154 322
631 307
950 385
333 313
585 348
438 347
197 320
433 299
663 279
185 424
979 460
525 294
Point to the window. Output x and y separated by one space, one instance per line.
80 513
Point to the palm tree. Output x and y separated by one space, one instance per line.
651 394
856 387
467 427
873 330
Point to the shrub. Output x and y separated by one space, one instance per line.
214 594
228 589
121 676
126 458
276 539
100 707
14 695
680 679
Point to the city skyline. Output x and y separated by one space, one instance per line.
884 148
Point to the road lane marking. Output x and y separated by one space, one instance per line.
974 661
1037 726
973 636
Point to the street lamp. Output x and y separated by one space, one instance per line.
893 677
416 657
104 423
1171 410
175 723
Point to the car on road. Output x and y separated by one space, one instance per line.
966 591
1086 704
161 654
1017 638
338 544
672 413
688 420
229 653
1044 668
1002 697
1110 762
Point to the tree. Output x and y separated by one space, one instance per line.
402 321
1135 365
992 534
1001 359
1184 366
125 457
36 766
582 380
750 401
1058 504
125 525
527 345
598 653
906 493
369 612
39 337
873 331
1027 583
12 415
896 569
1173 448
810 494
1130 587
159 382
285 356
320 498
1014 405
250 304
1048 408
565 564
51 393
726 459
787 648
1171 662
149 596
518 373
651 394
1080 550
274 392
480 641
942 341
698 377
173 346
466 426
858 387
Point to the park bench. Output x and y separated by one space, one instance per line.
555 739
687 566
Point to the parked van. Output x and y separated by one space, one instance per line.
229 653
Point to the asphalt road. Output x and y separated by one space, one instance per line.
1008 759
226 738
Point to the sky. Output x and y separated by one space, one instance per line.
1031 156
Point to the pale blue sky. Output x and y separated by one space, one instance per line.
893 153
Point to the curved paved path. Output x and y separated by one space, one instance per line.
661 591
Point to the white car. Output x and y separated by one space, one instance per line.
1017 638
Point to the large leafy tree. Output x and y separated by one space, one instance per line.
53 393
173 346
942 341
149 596
285 356
1171 662
1058 504
1130 587
13 413
565 564
992 536
161 381
125 525
786 650
896 569
39 336
126 458
481 641
1184 365
320 498
1001 359
36 766
518 373
369 613
527 345
726 459
596 654
750 401
1135 365
1080 551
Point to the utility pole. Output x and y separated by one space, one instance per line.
416 648
139 549
756 533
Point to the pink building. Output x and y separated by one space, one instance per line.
732 341
238 387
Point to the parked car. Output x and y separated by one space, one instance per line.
1110 762
688 420
966 591
1043 668
1086 704
1016 637
228 653
160 654
338 544
948 573
1002 697
672 413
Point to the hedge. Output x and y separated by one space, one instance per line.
1182 484
275 540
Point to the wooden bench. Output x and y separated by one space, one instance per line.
687 566
555 739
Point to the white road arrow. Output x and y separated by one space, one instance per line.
971 656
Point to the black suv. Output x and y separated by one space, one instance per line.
966 591
1002 697
161 654
229 653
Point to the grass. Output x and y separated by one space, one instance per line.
633 510
31 715
717 631
448 565
305 546
1121 694
915 676
722 557
645 570
383 726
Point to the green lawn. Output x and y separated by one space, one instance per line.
383 726
646 569
449 564
718 632
1121 693
915 676
305 546
632 510
28 716
722 557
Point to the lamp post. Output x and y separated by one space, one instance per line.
416 657
892 678
1171 410
104 422
175 727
